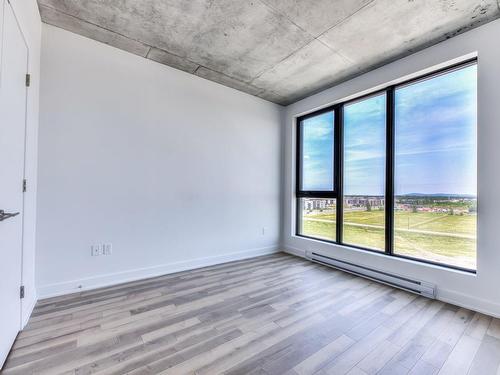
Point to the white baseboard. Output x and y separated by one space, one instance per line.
26 315
78 285
469 302
444 295
294 251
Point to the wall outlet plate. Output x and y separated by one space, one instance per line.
95 250
101 249
107 249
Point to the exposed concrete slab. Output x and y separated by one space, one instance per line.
317 16
271 96
243 38
163 57
308 70
280 50
76 25
226 80
168 25
239 38
382 32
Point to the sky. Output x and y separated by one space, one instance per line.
435 140
317 151
364 147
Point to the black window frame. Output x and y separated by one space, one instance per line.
298 187
338 173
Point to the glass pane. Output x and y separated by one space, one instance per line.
435 169
317 152
364 173
317 218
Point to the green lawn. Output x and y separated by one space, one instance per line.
465 224
439 248
458 251
437 222
409 220
366 237
321 230
364 217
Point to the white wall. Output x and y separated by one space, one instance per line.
480 292
27 14
175 171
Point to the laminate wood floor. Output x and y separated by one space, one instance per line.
275 314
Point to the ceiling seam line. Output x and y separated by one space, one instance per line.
345 19
285 16
283 59
312 35
335 51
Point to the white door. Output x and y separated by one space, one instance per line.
14 63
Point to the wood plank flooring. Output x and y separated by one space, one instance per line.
269 315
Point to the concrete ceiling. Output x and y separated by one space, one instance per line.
279 50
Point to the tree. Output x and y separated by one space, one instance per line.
368 206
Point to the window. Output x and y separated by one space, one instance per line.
317 218
395 171
364 173
317 156
435 168
317 204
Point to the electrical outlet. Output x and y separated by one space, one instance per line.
101 249
107 249
95 250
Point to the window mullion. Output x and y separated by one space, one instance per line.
339 157
389 172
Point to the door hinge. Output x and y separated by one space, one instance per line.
21 291
28 80
24 186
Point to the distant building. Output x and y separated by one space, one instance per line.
409 204
349 202
373 202
318 204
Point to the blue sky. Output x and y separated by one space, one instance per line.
435 140
436 135
317 162
364 147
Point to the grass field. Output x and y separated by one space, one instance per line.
436 237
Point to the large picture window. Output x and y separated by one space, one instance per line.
435 168
395 171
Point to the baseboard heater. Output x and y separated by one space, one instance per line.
414 286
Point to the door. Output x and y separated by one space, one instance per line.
12 143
